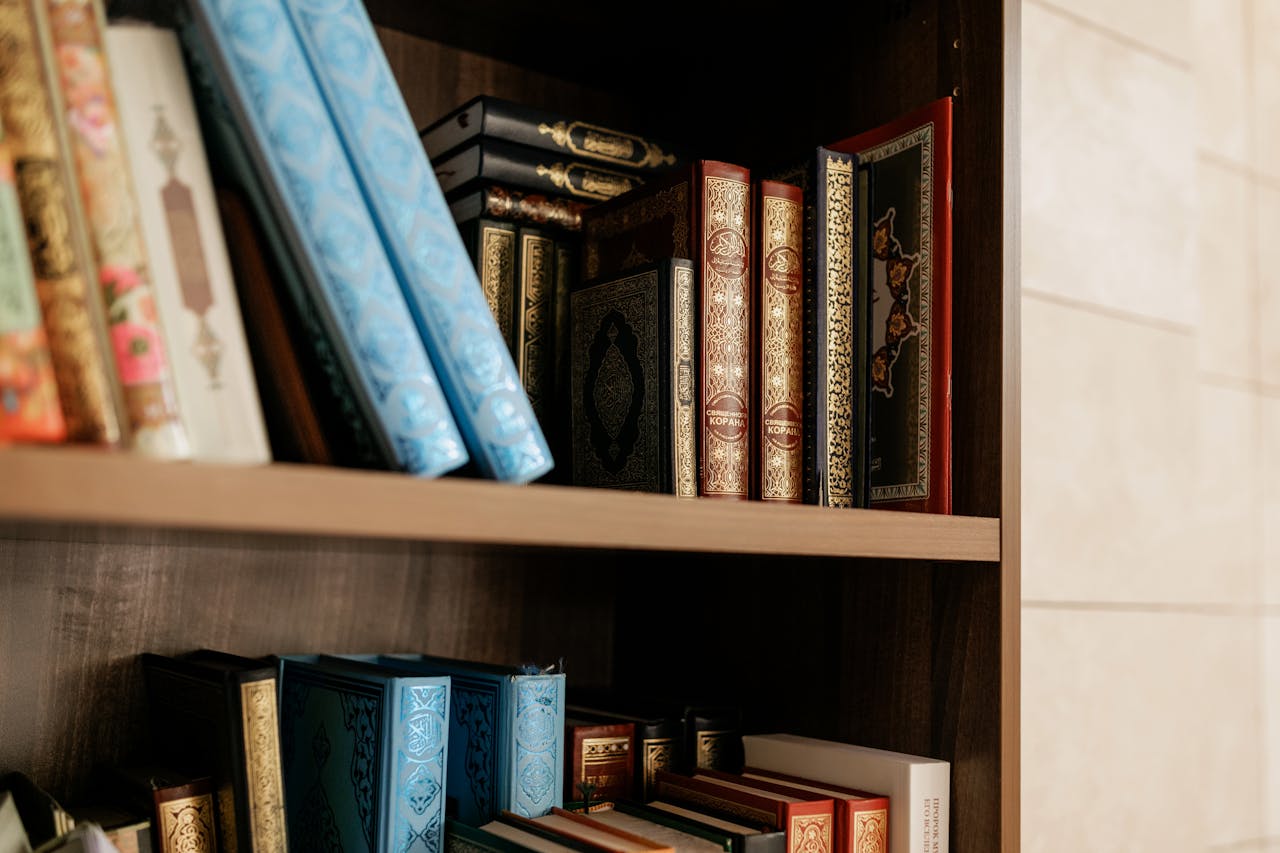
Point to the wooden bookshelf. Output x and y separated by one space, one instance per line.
893 630
69 486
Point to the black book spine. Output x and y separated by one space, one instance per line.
659 746
492 245
534 169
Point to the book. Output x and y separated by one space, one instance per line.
837 419
918 788
862 817
13 835
364 749
659 736
497 118
910 362
178 808
633 375
505 835
110 206
29 407
744 837
713 737
513 205
478 378
127 830
83 838
777 402
602 835
75 325
191 274
534 319
506 736
560 419
658 827
212 713
494 249
494 161
292 391
600 755
274 139
702 212
809 822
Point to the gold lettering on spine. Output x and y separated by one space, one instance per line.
782 357
537 265
59 250
659 754
809 834
840 340
580 180
186 825
686 410
871 832
262 765
612 146
497 275
726 332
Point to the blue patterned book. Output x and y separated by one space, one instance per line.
302 177
425 248
363 749
506 730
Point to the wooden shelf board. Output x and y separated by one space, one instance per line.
81 485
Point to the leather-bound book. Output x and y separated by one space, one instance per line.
862 818
534 321
659 735
494 249
778 369
632 380
494 161
740 835
600 755
214 713
836 331
180 807
511 205
809 824
910 386
702 212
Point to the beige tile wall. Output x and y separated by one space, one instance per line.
1151 425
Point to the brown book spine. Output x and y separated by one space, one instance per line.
31 109
185 821
778 369
724 237
504 203
600 755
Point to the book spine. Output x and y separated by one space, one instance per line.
533 732
834 356
184 820
656 750
679 383
544 172
30 107
863 826
560 422
810 826
419 730
527 126
257 57
186 248
535 318
777 404
263 783
725 234
29 408
492 246
534 208
422 242
600 756
111 213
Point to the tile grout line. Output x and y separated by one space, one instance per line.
1163 325
1260 611
1113 35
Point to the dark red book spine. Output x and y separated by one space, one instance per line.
601 755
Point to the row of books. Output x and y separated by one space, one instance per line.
379 752
721 335
364 333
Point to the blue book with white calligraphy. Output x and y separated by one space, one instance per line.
364 751
476 369
275 130
506 736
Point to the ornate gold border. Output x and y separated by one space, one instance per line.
497 275
262 765
685 434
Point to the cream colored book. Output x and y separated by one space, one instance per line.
194 288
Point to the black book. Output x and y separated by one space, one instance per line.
494 250
632 380
496 118
494 161
215 713
837 414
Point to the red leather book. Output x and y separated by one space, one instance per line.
910 161
702 212
602 755
809 822
862 818
777 374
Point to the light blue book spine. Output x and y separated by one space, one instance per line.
533 732
324 216
419 744
425 248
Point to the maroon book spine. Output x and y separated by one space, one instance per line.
602 755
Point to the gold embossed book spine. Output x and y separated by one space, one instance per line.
31 109
778 375
106 188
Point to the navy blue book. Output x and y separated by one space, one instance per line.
506 735
364 750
